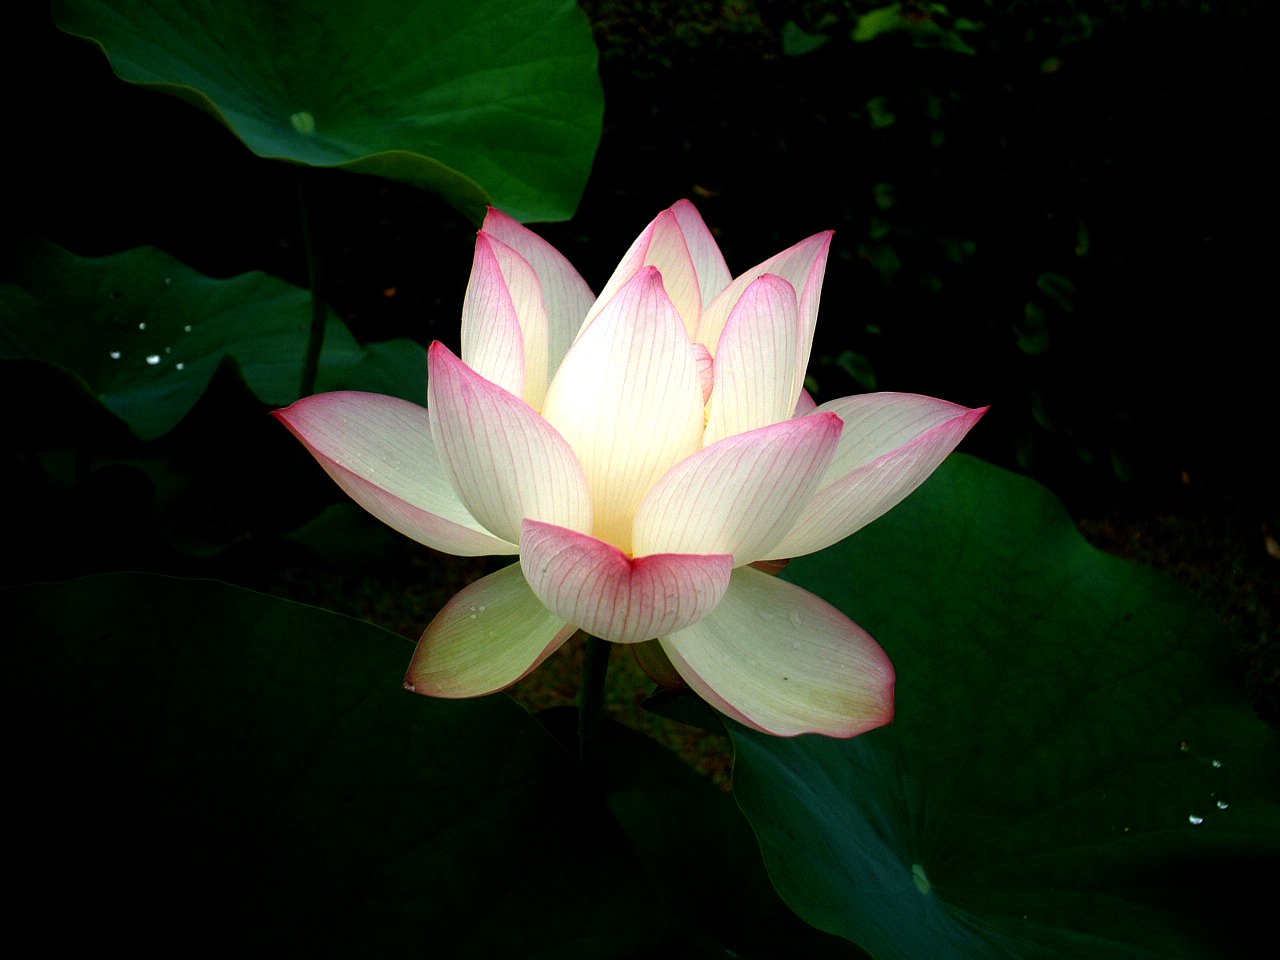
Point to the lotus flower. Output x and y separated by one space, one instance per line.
639 451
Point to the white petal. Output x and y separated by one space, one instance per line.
628 401
780 660
890 445
505 289
505 462
662 245
803 267
755 361
706 370
596 586
708 261
486 638
565 295
740 495
379 450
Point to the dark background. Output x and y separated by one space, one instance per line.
1074 223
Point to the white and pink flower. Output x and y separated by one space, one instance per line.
639 451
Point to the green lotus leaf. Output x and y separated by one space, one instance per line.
483 101
1071 772
145 333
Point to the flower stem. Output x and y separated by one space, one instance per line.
319 307
595 669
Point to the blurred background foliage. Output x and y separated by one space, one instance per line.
1056 207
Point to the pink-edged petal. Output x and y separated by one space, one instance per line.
740 495
596 586
628 401
756 361
780 660
565 295
802 266
379 450
505 462
891 443
492 332
661 245
805 404
706 370
487 637
708 261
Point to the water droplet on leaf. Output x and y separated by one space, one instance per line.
920 879
153 359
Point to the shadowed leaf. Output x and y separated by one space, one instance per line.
1071 771
206 771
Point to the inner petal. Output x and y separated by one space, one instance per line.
628 400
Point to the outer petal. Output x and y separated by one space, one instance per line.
891 443
803 267
487 637
755 363
740 495
783 661
628 401
708 261
379 450
596 586
505 462
662 245
565 295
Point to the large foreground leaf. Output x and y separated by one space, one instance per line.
480 100
145 333
1071 771
197 770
